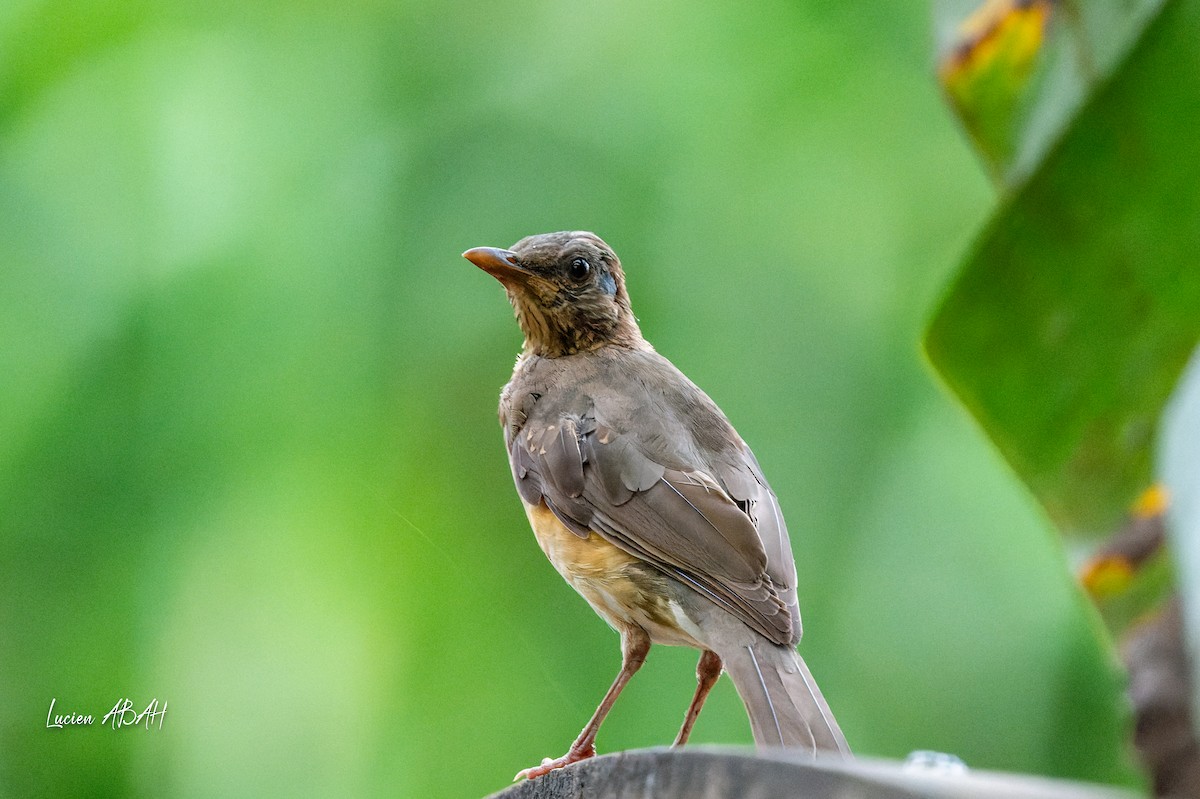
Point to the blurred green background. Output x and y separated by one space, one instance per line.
249 459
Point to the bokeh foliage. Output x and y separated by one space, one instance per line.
249 462
1075 314
1069 325
1016 72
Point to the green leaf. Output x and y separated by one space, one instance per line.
988 75
1071 320
1016 71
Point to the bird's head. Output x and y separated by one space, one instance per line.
568 292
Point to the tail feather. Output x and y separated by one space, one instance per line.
785 705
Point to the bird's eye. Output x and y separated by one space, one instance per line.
579 269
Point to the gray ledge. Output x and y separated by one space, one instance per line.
718 772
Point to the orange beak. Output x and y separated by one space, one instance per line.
500 264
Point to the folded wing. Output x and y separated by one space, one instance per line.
714 526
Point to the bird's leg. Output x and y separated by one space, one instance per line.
634 646
707 672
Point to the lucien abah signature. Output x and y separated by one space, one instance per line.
123 714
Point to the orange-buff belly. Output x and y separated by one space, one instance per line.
618 585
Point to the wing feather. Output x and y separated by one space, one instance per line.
683 521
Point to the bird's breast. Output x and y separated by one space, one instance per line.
619 586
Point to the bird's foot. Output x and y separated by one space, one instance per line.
573 755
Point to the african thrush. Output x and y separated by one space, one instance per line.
644 497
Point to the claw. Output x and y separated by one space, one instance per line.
573 755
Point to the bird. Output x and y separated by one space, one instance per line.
645 499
